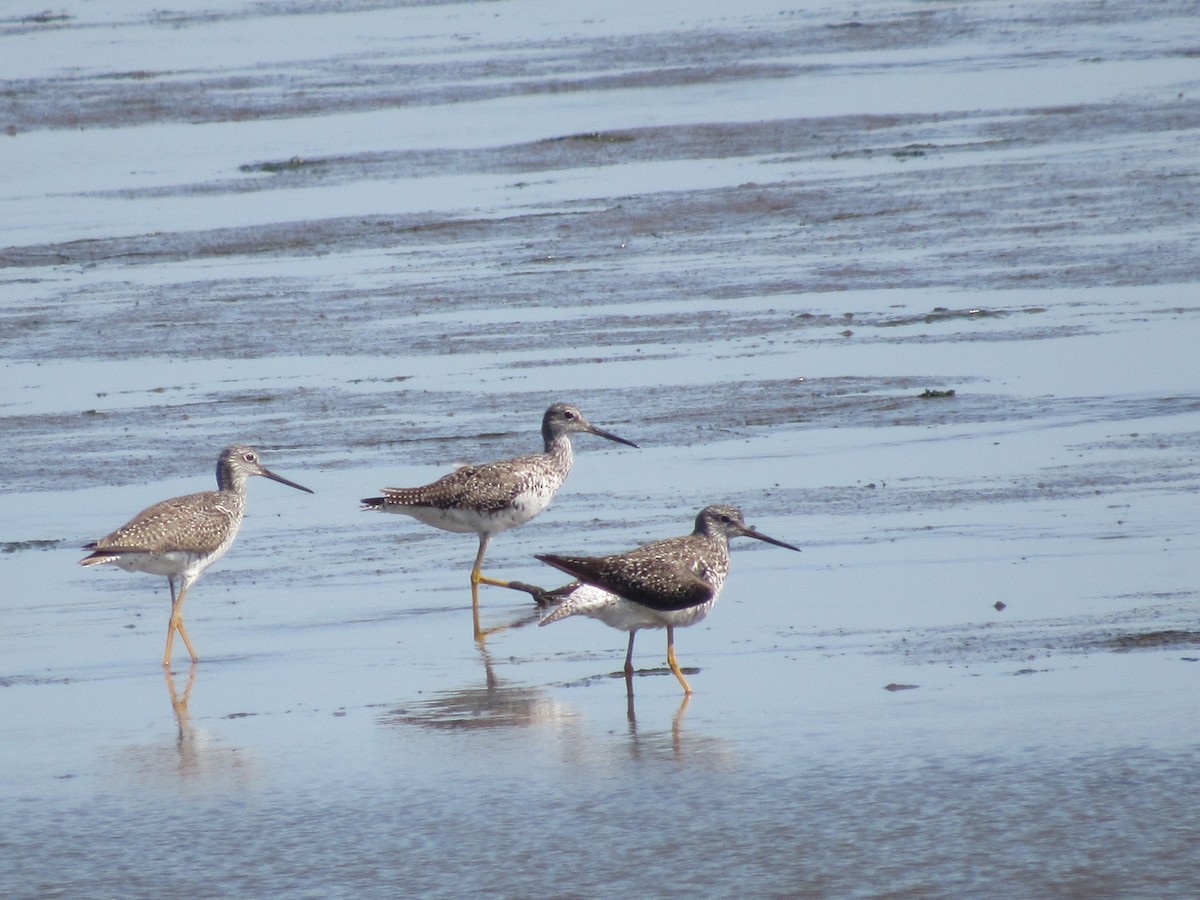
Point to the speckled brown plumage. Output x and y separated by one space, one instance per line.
496 489
666 575
196 523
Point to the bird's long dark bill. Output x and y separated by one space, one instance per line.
750 532
269 474
600 432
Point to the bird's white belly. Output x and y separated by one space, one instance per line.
169 563
625 615
524 507
466 519
681 618
454 519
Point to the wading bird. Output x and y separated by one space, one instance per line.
183 536
668 584
493 497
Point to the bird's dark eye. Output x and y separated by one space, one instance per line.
248 457
567 414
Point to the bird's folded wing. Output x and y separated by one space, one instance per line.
170 525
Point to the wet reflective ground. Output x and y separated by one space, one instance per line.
915 285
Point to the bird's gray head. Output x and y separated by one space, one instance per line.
564 418
727 520
238 462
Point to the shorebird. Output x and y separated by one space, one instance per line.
668 584
183 536
493 497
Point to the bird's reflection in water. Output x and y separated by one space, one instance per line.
676 743
657 740
180 704
494 704
482 634
193 757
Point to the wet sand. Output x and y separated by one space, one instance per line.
915 285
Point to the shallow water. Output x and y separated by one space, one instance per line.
914 285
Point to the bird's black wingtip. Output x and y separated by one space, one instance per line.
576 567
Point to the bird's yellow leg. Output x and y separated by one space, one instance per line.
477 576
187 642
170 625
629 655
484 579
673 663
176 624
170 641
480 634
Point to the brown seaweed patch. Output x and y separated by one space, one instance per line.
17 546
1155 640
271 167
